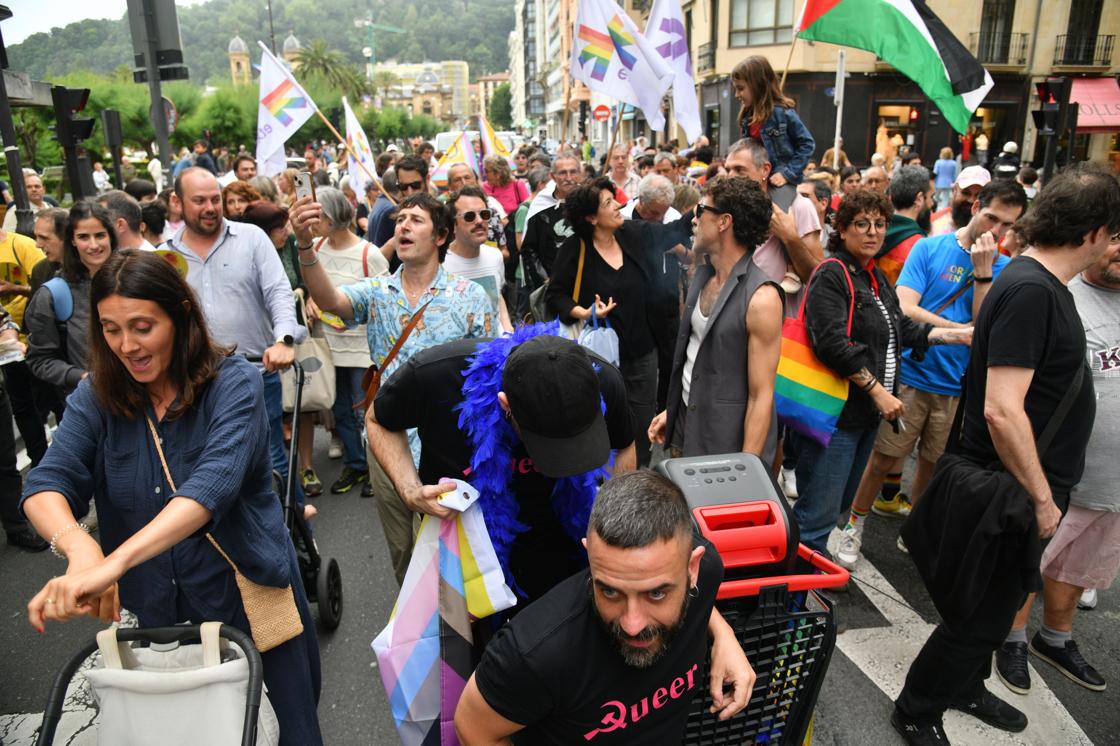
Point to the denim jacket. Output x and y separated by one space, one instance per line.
788 142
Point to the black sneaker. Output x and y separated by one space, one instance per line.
1068 660
992 710
348 480
1011 667
27 540
919 734
367 489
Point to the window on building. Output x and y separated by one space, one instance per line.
713 23
758 22
428 108
996 18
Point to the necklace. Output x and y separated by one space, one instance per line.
413 297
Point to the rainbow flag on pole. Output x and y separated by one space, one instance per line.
284 107
491 143
461 151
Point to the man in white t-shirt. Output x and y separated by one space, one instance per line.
468 255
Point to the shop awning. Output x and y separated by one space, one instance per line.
1098 102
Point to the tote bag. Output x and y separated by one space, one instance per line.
314 354
600 339
808 395
192 694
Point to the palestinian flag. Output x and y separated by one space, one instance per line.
907 35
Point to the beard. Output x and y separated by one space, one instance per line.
195 225
662 637
923 220
962 214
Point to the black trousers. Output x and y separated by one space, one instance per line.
31 400
10 484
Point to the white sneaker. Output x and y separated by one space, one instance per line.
789 483
1088 599
847 553
902 546
335 451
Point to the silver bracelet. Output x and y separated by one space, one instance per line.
62 532
309 264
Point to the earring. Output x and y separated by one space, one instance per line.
694 591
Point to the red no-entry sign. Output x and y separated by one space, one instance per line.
602 113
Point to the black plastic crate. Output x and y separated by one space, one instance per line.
788 639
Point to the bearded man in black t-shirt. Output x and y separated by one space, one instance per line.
1027 349
615 653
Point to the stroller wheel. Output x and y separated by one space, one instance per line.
329 593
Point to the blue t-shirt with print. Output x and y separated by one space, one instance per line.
936 268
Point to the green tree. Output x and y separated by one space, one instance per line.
500 109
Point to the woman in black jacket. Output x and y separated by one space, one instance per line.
869 357
617 283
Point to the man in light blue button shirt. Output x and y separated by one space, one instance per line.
239 279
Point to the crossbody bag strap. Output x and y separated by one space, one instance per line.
579 271
851 292
952 298
371 382
1060 413
171 482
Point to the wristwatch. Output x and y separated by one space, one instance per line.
287 339
981 280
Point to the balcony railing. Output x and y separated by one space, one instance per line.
706 58
1084 51
1000 48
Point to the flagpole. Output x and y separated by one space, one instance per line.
363 166
614 133
789 59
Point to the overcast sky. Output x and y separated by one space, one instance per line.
32 16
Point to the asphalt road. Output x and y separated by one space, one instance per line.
879 634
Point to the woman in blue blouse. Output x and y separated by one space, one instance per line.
151 357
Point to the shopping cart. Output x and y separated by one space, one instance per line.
768 596
52 714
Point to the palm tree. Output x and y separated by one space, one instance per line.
320 61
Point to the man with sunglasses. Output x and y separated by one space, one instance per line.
469 256
793 250
721 390
412 178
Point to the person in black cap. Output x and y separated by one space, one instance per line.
530 420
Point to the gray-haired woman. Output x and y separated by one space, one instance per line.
346 258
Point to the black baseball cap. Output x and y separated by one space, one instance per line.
554 398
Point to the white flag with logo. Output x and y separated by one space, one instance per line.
611 56
284 107
359 153
665 32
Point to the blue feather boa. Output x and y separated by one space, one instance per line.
492 439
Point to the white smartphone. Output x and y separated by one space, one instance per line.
305 187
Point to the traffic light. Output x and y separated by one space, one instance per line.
914 114
70 131
1053 111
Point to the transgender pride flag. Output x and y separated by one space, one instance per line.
284 107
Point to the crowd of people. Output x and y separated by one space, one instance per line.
969 314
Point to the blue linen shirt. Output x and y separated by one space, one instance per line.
243 288
936 268
218 455
460 309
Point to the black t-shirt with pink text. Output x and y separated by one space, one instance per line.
554 669
424 393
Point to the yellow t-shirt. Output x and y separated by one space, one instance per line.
18 256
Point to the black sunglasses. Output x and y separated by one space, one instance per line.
701 208
410 186
470 215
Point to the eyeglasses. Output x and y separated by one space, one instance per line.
701 208
864 226
410 186
470 215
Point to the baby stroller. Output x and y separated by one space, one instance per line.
322 579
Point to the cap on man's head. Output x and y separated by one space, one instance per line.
973 176
553 395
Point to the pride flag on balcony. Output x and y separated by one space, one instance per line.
907 35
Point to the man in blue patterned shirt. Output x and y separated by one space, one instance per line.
456 308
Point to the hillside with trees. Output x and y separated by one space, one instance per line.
436 30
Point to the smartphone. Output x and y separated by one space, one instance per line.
329 318
305 187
